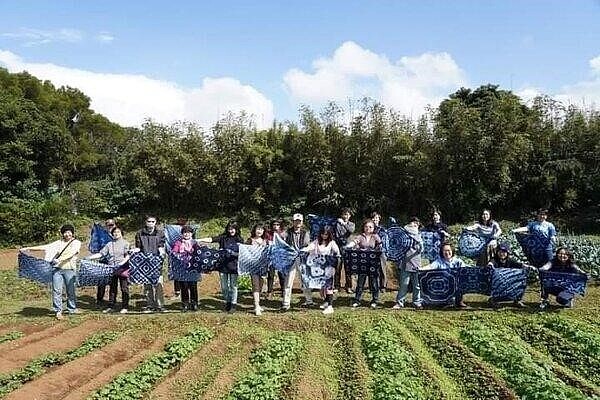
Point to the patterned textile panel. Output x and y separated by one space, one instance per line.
431 244
145 268
205 259
94 273
99 237
34 269
471 244
173 234
282 255
180 269
555 282
438 286
534 246
508 283
362 262
317 271
396 243
253 259
316 222
473 280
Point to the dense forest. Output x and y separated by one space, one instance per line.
59 160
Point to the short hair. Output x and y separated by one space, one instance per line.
67 227
375 214
367 221
414 219
148 216
115 228
186 228
346 210
444 245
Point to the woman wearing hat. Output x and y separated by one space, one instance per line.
562 262
62 254
502 259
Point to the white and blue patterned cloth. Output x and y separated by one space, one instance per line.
94 273
316 222
431 245
145 268
99 237
535 245
508 283
473 280
362 262
472 244
396 243
34 269
556 282
282 255
438 286
253 259
205 260
173 234
317 270
180 268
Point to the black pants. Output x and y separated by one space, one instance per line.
100 292
112 294
189 292
373 287
177 286
337 278
271 280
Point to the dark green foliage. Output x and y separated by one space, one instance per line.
10 336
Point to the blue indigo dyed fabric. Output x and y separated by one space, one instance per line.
94 273
431 245
253 259
473 280
556 282
362 262
438 286
396 243
535 247
471 244
282 255
99 237
317 270
205 260
34 269
508 283
180 268
145 268
316 222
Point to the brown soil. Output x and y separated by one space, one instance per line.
8 259
306 385
26 329
57 338
80 377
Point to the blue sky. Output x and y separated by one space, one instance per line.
196 60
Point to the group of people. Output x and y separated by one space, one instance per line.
331 240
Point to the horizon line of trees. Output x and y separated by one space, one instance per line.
481 148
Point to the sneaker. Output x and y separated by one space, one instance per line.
328 310
373 305
543 304
519 304
418 307
284 309
462 305
355 305
161 310
398 306
147 310
59 316
184 308
269 296
570 304
232 308
349 290
258 311
175 296
336 290
228 306
107 310
324 305
307 304
123 311
194 307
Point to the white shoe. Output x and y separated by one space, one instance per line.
328 310
123 311
258 311
543 304
59 315
354 305
398 306
324 305
107 310
373 305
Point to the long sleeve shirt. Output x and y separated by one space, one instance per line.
68 257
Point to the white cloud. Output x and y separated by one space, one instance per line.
585 93
104 37
129 99
408 85
34 37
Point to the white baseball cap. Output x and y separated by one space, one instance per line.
297 216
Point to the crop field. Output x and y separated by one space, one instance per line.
477 353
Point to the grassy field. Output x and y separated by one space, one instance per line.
477 353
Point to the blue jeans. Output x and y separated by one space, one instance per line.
404 277
373 286
67 276
229 287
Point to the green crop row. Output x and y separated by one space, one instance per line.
530 379
10 336
577 333
35 368
272 365
134 384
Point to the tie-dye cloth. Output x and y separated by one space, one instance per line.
145 268
471 244
316 222
173 234
396 243
431 245
362 262
34 269
473 280
253 259
99 237
535 246
317 270
556 282
205 260
282 255
180 268
438 286
508 283
94 273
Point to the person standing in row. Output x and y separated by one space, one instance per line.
488 228
277 228
151 240
62 254
258 237
297 237
545 228
183 249
367 240
109 224
343 229
409 267
380 230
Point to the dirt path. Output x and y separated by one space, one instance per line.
57 338
77 379
26 329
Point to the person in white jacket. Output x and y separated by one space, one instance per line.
409 266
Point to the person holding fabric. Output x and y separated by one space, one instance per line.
116 254
562 262
409 267
488 228
258 237
276 229
343 229
184 249
297 237
436 225
542 226
379 230
62 254
229 240
367 240
502 259
325 245
447 260
109 224
151 240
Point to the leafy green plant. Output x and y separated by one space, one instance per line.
134 384
576 332
13 335
37 367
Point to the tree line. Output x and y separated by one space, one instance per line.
480 148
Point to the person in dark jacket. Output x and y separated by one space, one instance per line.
151 240
297 237
502 259
343 229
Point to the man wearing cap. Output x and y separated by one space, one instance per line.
502 259
297 237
